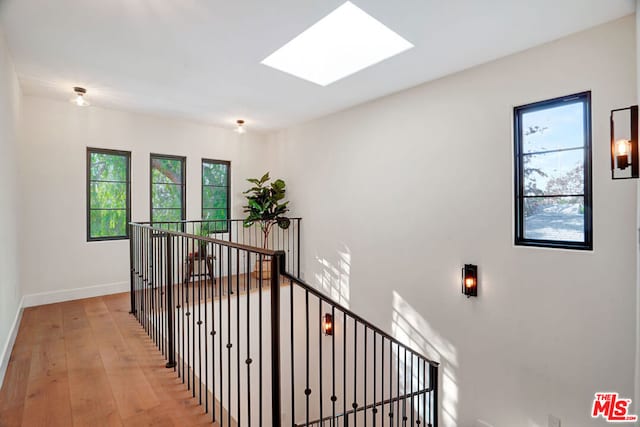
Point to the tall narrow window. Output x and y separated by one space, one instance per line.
553 173
167 188
108 194
216 193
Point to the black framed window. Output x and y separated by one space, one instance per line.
216 193
108 194
168 188
553 173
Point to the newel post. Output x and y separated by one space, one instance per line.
132 271
277 266
433 378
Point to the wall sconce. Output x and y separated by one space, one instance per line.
470 280
624 143
327 324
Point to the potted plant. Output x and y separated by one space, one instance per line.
267 208
204 230
199 248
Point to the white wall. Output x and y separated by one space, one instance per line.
9 275
56 255
636 399
399 193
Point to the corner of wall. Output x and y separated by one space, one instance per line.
11 299
5 356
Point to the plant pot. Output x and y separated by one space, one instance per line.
266 270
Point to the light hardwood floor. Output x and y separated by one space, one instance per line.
89 363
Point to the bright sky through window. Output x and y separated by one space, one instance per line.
342 43
553 165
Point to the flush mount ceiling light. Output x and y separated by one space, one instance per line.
79 98
240 127
342 43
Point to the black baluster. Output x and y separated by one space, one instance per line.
354 405
344 367
229 345
307 390
207 275
239 419
411 388
220 331
333 366
364 379
293 393
320 388
375 354
214 257
404 390
248 360
382 381
260 272
172 358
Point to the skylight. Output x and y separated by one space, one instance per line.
342 43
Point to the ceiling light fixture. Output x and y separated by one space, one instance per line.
240 127
79 99
342 43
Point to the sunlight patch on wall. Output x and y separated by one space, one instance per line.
410 328
333 277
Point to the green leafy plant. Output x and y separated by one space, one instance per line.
266 205
204 230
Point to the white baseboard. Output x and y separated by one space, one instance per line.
11 339
42 298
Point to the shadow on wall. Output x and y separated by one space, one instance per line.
333 277
410 328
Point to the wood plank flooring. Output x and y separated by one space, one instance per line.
89 363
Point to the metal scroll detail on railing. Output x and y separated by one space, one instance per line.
243 334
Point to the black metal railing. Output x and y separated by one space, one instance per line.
233 230
355 375
248 338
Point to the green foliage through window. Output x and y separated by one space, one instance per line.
108 194
167 189
215 194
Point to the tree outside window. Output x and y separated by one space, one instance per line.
108 194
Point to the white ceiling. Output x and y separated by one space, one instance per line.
200 59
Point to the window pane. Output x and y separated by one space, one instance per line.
218 217
166 170
214 197
166 215
553 128
213 214
108 188
554 218
108 167
214 174
108 223
555 173
108 195
166 196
